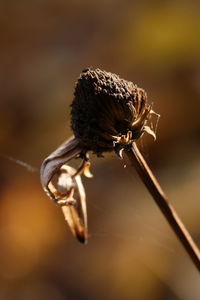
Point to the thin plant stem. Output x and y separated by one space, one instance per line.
146 175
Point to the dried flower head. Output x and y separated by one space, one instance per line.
108 112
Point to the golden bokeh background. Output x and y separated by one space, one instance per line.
132 253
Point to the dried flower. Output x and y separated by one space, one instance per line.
108 113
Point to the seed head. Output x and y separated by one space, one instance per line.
108 112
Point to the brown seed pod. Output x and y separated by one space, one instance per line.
108 111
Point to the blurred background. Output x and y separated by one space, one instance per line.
132 253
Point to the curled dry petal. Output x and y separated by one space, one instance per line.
63 185
67 151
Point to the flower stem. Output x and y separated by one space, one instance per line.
160 198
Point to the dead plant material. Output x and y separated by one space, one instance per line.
108 114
